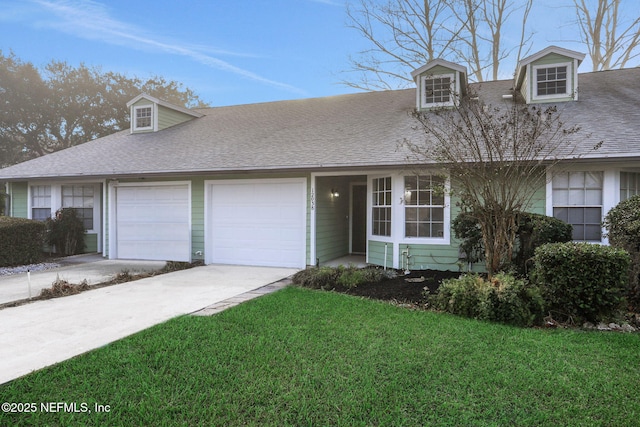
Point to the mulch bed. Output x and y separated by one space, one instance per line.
407 289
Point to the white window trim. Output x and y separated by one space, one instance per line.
453 90
446 235
610 193
534 81
134 120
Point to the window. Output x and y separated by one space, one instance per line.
382 206
552 81
629 185
437 90
40 202
577 200
80 198
142 118
424 206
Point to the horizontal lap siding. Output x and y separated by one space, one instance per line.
376 252
429 257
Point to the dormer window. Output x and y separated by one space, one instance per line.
552 81
143 118
438 90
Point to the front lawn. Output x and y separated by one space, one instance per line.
304 357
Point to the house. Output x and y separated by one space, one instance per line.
294 183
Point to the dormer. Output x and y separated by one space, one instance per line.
439 84
550 75
149 114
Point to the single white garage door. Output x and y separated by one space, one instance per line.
152 222
257 222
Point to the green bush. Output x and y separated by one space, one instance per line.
533 231
504 299
21 241
582 281
66 232
347 277
623 231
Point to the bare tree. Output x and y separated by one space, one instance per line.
611 43
406 34
497 159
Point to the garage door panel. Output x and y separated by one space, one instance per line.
152 222
258 223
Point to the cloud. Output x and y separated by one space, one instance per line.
91 20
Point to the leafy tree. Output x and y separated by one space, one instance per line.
62 106
497 158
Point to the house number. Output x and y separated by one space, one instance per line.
313 198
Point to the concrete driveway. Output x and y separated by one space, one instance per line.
42 333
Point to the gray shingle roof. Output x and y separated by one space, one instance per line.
358 130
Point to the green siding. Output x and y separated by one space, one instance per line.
168 117
375 253
91 243
19 199
429 257
197 219
332 218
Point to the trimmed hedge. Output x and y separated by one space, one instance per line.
504 299
582 281
21 241
623 231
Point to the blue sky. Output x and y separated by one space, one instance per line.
228 52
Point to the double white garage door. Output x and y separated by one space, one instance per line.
246 222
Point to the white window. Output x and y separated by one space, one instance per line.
577 200
40 202
143 118
629 185
80 198
552 81
381 206
424 206
438 90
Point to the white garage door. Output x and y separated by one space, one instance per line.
152 222
257 222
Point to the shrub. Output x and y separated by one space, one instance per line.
21 241
328 277
504 299
66 232
580 280
623 230
533 231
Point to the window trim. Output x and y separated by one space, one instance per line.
387 206
424 206
151 117
452 90
56 201
551 204
534 80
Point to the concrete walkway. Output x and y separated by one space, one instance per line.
42 333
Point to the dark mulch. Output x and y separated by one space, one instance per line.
400 289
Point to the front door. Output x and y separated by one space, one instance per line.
359 219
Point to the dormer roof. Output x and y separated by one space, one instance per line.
438 62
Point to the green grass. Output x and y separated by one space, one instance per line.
303 357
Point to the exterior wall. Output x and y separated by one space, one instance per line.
168 117
19 199
376 253
332 218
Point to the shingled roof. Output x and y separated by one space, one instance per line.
363 130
